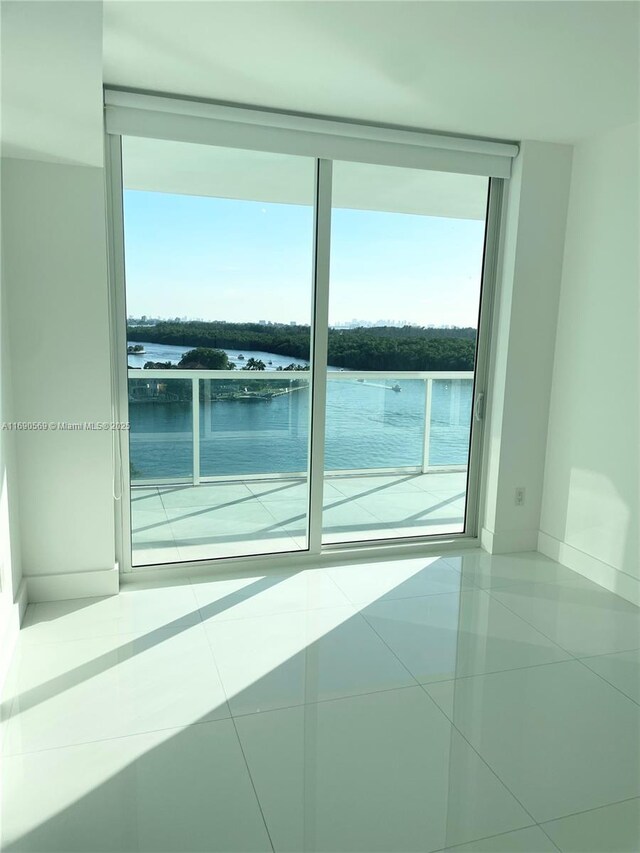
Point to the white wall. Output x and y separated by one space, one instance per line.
12 591
55 282
55 293
590 506
55 268
524 326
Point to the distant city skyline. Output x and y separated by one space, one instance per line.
348 324
242 261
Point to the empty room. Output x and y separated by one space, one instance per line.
319 426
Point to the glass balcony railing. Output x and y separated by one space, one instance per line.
193 426
220 459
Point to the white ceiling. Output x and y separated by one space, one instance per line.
546 70
51 81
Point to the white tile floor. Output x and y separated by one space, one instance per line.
468 703
226 519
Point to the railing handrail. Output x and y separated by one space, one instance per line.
193 377
141 373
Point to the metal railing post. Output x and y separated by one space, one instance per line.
195 412
206 398
427 425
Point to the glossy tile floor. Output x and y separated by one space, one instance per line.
468 703
227 519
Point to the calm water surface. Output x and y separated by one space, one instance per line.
368 425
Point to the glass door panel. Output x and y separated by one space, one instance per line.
405 280
219 270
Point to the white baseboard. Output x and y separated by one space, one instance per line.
73 585
508 541
486 540
21 601
590 567
11 616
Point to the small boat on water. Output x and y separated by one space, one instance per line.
240 357
138 349
396 387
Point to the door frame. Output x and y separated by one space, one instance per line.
316 553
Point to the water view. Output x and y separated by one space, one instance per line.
220 295
371 424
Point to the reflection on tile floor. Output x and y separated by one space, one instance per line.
467 703
228 519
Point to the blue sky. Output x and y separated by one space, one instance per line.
239 261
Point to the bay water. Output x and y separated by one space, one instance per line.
369 425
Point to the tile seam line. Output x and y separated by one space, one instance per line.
573 656
478 674
210 621
176 729
592 809
607 682
609 654
241 747
327 573
125 635
492 672
427 684
167 523
531 625
253 784
595 672
437 707
244 714
544 832
452 724
506 585
387 646
543 823
539 823
486 838
483 760
526 622
384 599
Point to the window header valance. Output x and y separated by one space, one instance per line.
136 114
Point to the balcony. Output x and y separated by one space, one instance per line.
219 459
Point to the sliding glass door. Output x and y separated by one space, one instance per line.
218 252
302 341
406 272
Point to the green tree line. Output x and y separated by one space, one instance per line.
362 348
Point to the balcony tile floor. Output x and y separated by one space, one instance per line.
467 703
181 523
